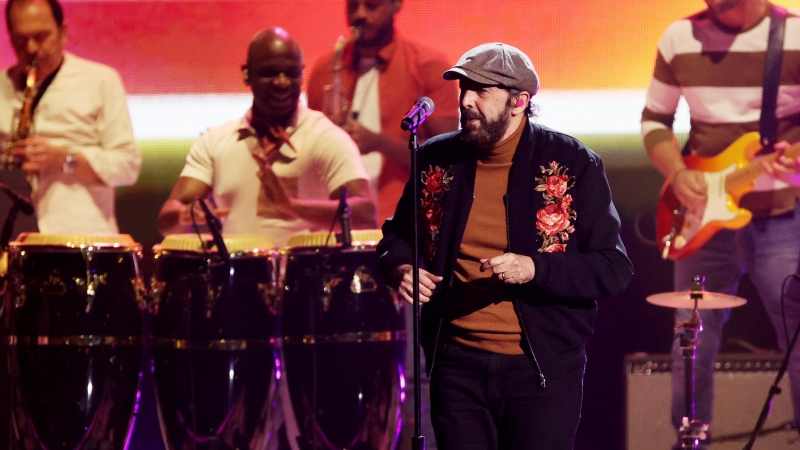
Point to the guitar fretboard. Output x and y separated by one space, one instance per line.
755 168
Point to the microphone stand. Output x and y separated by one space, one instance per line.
773 390
418 441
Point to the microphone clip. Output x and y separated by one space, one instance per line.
215 228
343 213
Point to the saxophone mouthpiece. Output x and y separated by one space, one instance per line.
30 78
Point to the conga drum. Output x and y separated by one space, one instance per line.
213 325
342 338
75 307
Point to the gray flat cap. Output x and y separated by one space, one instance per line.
496 63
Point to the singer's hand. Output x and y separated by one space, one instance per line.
402 280
185 214
510 268
38 154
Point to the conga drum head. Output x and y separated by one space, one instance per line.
342 336
75 311
213 331
235 243
74 240
358 238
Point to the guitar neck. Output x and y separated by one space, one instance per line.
755 168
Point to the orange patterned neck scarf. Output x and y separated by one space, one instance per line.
276 136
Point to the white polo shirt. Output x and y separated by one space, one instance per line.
326 158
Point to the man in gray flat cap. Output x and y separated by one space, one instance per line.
519 238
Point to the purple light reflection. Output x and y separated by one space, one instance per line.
402 383
133 417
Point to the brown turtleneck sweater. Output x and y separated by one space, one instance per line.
481 313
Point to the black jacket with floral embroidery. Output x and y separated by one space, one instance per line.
558 211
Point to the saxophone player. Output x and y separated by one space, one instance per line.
80 145
382 74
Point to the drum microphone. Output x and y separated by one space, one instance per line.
215 227
423 107
344 217
24 203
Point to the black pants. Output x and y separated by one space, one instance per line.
487 401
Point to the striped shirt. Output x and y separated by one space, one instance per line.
719 72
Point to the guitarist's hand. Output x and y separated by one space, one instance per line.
690 187
783 168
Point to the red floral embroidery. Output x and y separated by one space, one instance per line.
554 221
554 248
437 182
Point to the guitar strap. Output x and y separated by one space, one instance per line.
768 124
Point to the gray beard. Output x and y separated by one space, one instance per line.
488 134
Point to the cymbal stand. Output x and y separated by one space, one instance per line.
691 430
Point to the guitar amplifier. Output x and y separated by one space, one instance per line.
742 385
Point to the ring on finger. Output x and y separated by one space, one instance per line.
503 276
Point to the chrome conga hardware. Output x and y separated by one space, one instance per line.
363 281
19 297
14 278
329 282
268 295
156 288
91 282
139 287
91 289
54 285
212 289
141 293
76 337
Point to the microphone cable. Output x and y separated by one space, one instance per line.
783 306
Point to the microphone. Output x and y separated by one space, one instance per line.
24 203
344 218
423 107
215 227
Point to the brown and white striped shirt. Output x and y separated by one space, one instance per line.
719 72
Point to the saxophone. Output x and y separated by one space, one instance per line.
335 104
23 120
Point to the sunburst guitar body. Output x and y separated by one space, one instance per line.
681 231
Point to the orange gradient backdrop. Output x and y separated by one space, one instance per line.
197 46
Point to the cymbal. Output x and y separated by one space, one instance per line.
709 300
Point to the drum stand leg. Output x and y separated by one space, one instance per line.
691 430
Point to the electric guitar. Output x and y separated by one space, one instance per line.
681 231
